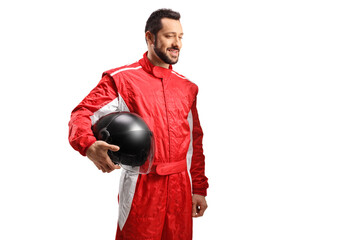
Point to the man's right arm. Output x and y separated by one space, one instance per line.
100 101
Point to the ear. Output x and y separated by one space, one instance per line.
150 39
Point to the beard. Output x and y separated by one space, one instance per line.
162 55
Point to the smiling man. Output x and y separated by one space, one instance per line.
161 204
165 45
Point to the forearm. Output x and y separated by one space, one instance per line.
199 180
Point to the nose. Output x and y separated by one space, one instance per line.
177 42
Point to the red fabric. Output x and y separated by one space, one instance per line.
169 168
81 136
199 180
163 98
161 209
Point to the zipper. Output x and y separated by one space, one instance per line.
167 114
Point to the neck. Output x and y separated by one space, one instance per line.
155 60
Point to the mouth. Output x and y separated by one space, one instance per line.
174 52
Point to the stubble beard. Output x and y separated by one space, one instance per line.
163 56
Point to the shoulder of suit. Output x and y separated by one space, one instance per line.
192 85
181 76
131 67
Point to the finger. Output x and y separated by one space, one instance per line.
113 148
106 146
100 167
109 169
112 166
194 210
104 164
105 168
97 165
201 210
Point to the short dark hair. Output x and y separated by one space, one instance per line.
153 24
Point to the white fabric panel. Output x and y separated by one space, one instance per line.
190 150
127 183
179 75
128 180
112 106
127 188
125 69
122 105
116 105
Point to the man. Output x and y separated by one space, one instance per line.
161 204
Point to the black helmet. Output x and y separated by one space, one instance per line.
130 132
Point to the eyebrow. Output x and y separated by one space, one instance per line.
173 33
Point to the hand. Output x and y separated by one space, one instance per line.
199 205
97 153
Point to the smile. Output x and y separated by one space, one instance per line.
174 52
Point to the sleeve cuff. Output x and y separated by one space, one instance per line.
89 143
200 191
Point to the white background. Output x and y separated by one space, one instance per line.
279 105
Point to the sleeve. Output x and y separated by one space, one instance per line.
101 100
197 170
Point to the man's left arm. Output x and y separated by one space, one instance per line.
197 170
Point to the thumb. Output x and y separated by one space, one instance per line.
113 148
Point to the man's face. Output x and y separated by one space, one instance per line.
168 41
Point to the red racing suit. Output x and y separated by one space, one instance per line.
157 205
